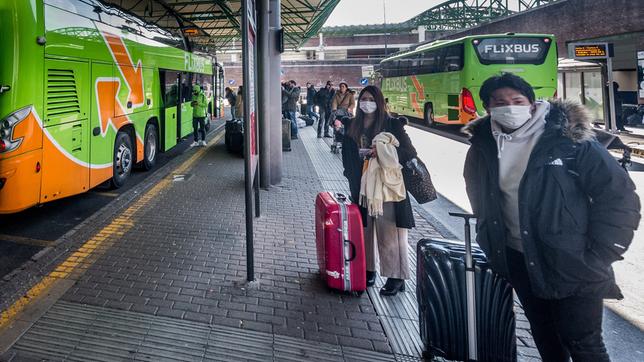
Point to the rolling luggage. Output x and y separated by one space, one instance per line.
234 136
286 134
465 309
340 243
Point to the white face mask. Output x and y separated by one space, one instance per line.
368 106
511 117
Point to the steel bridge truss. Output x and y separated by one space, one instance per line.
463 14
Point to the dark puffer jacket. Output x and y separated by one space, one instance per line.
353 163
578 208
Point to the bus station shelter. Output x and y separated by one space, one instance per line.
212 26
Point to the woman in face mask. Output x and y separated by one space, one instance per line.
391 227
554 210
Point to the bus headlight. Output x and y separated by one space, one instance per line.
7 126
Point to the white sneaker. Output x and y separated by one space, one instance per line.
203 143
194 144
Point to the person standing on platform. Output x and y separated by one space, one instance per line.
343 103
198 115
323 100
239 103
389 229
310 101
554 211
232 101
291 92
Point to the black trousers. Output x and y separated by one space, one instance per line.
199 127
561 328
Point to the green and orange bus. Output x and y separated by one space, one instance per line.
87 92
439 82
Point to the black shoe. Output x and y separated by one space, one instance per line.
294 137
393 286
371 278
326 135
319 135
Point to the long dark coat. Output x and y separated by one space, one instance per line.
353 167
578 208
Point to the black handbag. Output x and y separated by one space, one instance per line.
418 181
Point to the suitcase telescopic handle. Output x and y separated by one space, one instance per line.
470 289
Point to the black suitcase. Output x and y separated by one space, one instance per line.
234 136
309 121
447 327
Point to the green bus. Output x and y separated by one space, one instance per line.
87 91
439 82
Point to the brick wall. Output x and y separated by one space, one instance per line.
315 72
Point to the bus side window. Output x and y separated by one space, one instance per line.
427 62
453 58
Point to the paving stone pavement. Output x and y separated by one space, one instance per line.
181 254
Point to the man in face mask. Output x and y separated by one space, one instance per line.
554 211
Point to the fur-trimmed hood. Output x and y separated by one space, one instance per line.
567 118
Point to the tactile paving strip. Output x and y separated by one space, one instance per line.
76 332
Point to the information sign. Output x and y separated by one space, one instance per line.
583 51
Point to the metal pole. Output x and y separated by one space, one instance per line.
264 94
274 59
384 18
612 124
248 164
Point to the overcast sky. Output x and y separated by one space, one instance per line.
361 12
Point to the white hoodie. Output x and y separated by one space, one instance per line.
514 151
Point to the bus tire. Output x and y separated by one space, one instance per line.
123 160
150 149
428 115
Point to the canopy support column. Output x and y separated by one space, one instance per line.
265 99
273 59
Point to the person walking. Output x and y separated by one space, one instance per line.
291 92
323 100
198 115
554 211
389 229
232 101
310 101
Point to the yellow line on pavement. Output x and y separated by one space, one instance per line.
76 264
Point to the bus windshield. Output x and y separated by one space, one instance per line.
512 50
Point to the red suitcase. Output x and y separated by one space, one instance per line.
340 242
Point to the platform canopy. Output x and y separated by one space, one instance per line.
215 24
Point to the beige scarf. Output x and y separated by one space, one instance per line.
382 181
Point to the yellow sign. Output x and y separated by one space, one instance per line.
591 51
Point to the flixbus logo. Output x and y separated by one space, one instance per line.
397 84
511 48
194 64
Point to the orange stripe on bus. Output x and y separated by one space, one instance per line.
133 74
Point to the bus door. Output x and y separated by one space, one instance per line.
170 117
185 109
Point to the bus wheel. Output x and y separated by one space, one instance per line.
123 159
150 147
429 115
